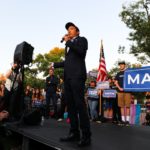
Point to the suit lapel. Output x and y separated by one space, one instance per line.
67 48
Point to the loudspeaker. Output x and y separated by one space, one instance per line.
32 117
23 53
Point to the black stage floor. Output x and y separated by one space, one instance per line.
105 136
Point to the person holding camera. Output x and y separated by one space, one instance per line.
13 91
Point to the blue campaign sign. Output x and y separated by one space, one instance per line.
92 93
137 79
109 93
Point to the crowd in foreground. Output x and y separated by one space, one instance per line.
51 101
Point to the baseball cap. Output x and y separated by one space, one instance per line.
71 24
121 62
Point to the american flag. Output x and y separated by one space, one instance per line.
102 73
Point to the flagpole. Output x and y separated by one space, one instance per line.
100 103
101 76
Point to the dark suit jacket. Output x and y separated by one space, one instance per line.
74 64
51 84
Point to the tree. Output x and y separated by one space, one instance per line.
42 62
35 75
32 79
136 17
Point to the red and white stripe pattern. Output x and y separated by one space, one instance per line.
102 73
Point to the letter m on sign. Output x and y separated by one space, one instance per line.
137 79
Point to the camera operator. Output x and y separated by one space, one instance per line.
13 91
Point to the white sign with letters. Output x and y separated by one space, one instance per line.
102 85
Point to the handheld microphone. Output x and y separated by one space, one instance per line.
62 40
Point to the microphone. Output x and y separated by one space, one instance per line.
62 40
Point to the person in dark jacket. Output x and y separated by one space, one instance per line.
51 88
74 85
13 92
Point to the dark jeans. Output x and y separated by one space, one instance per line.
116 110
51 96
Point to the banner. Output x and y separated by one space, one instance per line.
137 79
135 111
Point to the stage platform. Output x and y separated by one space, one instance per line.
105 136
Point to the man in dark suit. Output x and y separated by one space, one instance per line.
74 84
51 88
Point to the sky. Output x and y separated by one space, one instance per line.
41 23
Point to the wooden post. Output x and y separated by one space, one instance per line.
100 103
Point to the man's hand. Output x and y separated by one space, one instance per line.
14 66
121 89
51 65
66 37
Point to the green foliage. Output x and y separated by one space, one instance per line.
31 79
35 75
137 18
42 62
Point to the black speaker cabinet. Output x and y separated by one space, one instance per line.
23 53
32 117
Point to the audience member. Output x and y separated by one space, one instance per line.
51 88
93 98
124 98
147 108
